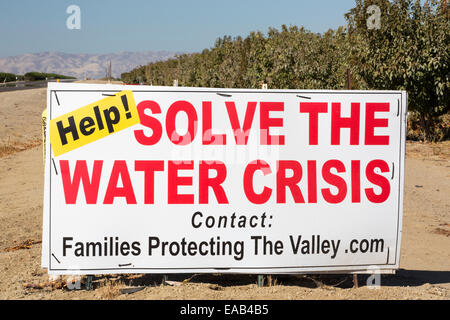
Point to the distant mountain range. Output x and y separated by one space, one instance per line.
81 65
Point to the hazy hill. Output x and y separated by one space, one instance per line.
80 65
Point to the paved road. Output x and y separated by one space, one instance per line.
24 85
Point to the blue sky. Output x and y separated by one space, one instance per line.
140 25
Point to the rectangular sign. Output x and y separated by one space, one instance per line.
226 180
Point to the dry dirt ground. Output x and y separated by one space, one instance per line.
425 253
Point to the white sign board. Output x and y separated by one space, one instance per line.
223 180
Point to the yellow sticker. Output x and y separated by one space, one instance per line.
93 122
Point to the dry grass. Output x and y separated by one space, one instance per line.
429 151
25 245
8 148
110 289
442 231
269 281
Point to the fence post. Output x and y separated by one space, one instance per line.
260 276
44 132
164 279
89 282
165 276
260 280
349 87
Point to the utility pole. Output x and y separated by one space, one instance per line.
109 71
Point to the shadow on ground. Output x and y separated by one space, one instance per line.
402 278
416 278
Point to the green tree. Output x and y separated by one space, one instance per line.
409 52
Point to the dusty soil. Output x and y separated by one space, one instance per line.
425 253
17 131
